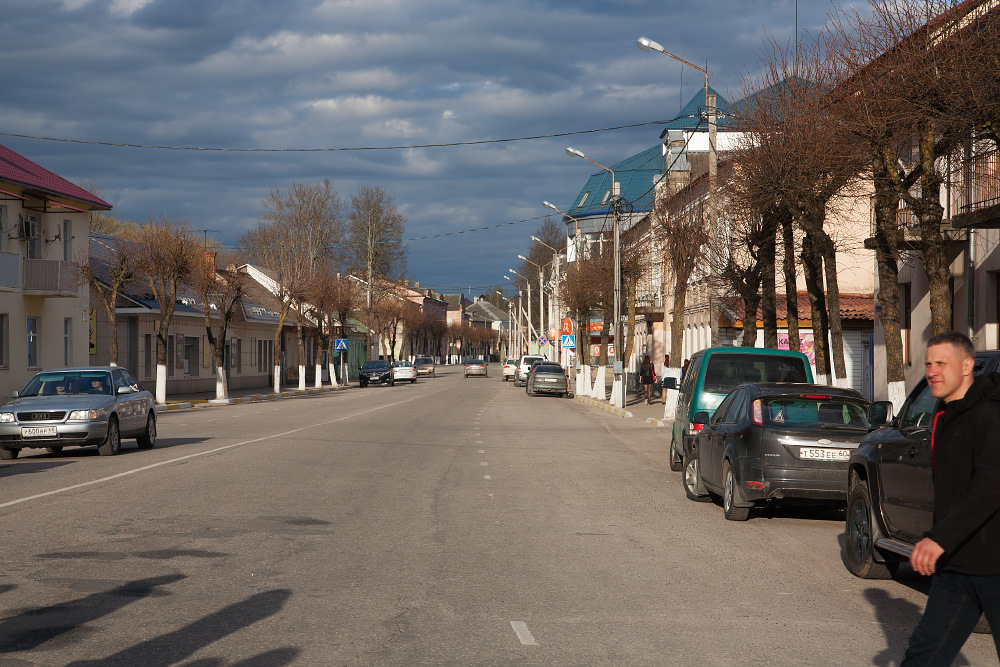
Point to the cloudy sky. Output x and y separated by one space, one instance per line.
334 74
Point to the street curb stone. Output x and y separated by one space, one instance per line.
604 406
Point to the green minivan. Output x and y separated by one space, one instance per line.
716 371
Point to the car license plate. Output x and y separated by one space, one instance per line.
38 432
824 454
549 380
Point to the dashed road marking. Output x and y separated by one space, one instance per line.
487 477
523 634
483 463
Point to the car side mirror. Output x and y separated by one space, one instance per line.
880 413
15 393
701 418
669 383
124 390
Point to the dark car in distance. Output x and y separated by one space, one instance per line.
376 372
768 442
547 378
890 502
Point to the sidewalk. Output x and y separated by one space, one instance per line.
254 395
635 407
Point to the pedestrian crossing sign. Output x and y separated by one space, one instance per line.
341 345
569 341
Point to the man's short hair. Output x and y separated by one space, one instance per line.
962 343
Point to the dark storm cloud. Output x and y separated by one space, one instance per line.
313 73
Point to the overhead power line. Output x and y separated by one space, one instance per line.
222 149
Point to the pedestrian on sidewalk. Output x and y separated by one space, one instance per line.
663 377
960 550
646 377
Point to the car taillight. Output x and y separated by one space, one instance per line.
695 426
758 413
756 486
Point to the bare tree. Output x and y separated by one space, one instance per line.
682 225
222 292
376 236
299 228
109 267
167 252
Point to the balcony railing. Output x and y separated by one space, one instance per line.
48 277
982 183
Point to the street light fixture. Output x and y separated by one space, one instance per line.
527 282
576 230
541 296
618 389
647 44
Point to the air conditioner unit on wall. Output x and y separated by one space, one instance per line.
29 227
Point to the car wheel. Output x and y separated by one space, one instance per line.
113 443
53 450
732 512
676 460
413 381
860 536
692 481
147 438
8 454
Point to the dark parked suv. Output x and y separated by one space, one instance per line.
890 502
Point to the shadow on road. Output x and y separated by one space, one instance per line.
33 627
178 645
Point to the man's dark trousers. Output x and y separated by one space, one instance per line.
953 609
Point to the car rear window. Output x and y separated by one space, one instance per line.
811 411
549 368
725 371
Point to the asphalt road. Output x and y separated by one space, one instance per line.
455 521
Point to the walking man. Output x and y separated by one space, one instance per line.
962 548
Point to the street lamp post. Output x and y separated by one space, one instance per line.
554 322
510 321
647 44
618 388
520 336
541 301
531 334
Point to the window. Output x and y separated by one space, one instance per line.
607 196
260 355
725 370
191 355
736 408
583 198
33 331
5 229
66 235
905 306
171 353
68 341
239 355
32 234
148 356
720 412
130 380
4 347
920 413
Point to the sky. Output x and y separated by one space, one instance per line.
293 79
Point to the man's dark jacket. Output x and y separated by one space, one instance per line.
967 480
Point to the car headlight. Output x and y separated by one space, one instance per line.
6 417
88 415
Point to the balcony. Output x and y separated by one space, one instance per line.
979 195
49 278
908 222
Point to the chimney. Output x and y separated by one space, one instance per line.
416 285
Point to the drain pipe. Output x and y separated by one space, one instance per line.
971 284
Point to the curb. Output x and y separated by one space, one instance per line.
659 423
249 398
604 406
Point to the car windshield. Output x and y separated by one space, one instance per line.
726 371
55 383
825 411
375 365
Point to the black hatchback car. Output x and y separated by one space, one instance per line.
770 442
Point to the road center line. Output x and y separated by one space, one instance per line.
523 634
135 471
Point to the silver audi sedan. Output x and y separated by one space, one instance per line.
78 407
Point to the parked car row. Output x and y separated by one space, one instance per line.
781 438
380 371
78 407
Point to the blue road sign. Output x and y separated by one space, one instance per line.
341 345
569 341
542 340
